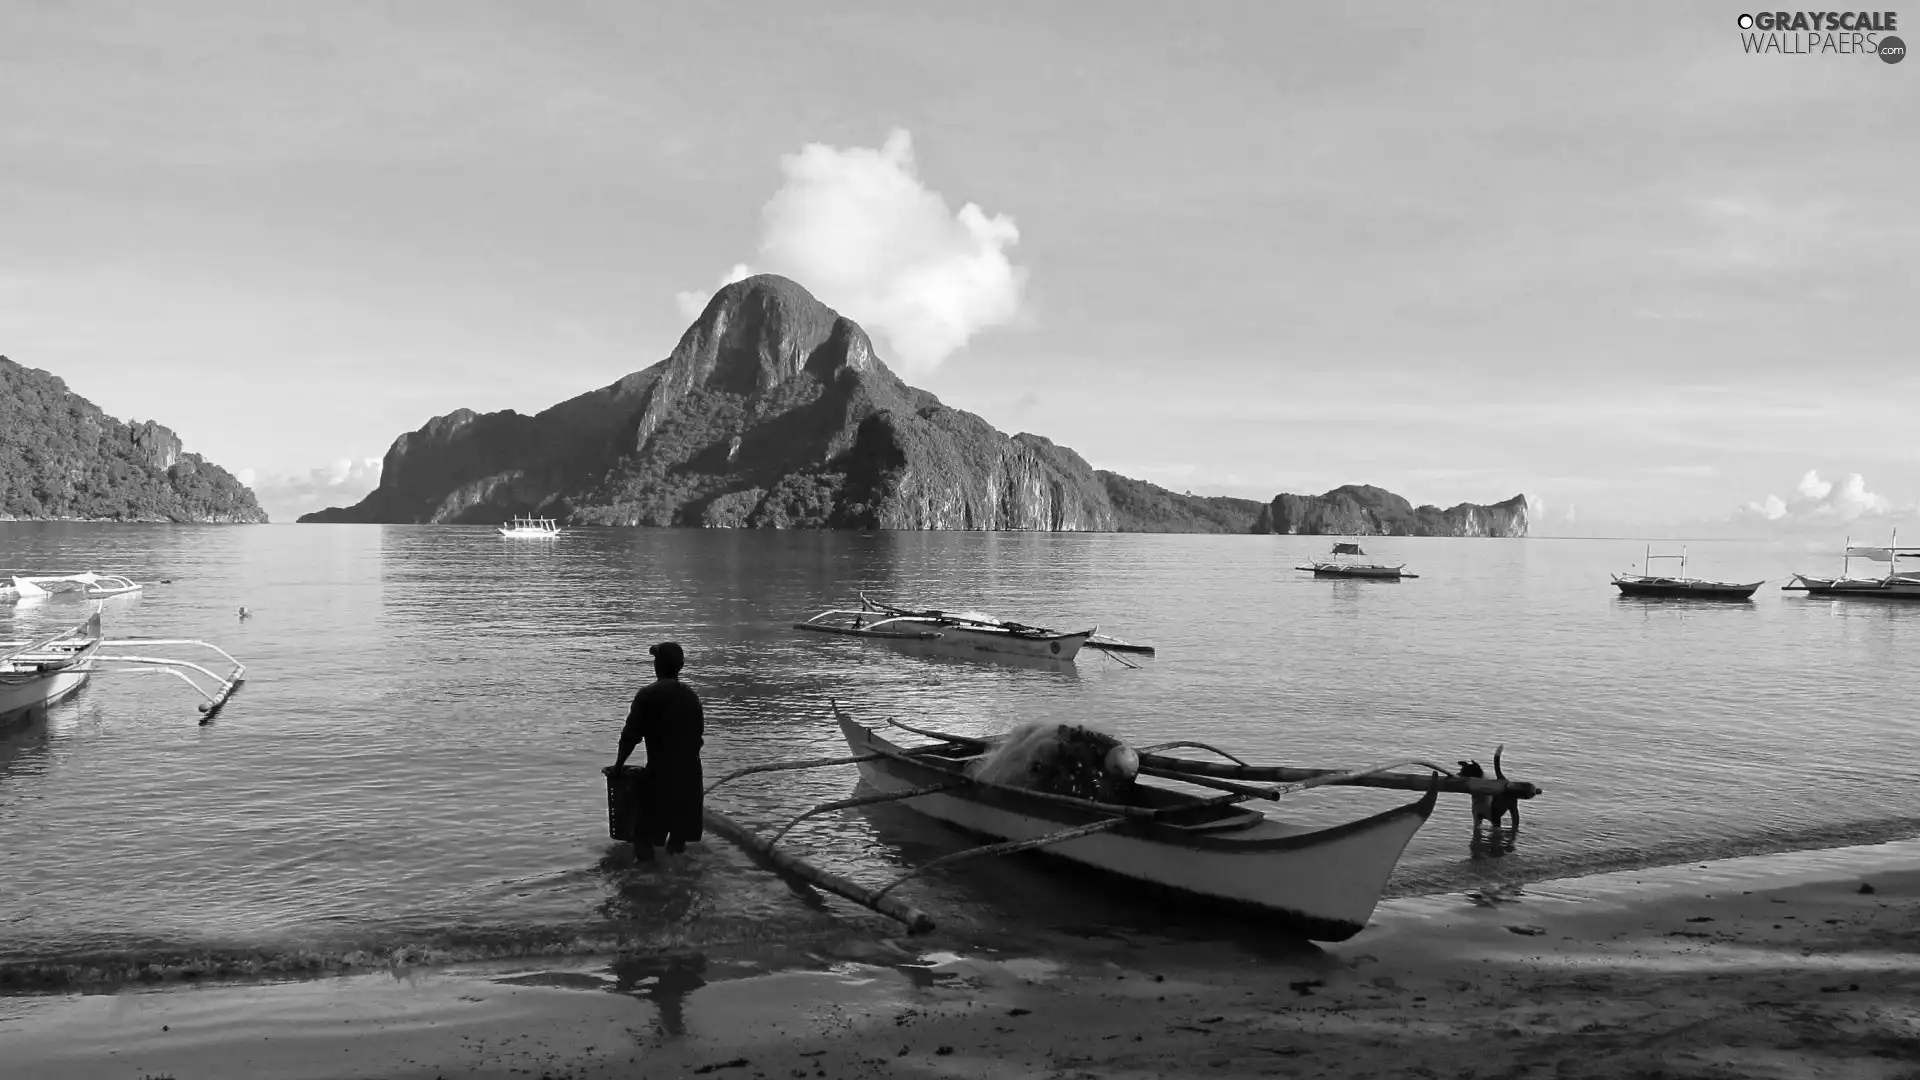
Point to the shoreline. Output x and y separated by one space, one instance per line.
1768 965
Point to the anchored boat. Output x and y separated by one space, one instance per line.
1340 562
1894 586
89 585
1680 587
971 633
530 528
37 674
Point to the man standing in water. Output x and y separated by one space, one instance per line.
666 713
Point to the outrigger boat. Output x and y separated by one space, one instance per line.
965 632
1338 563
1894 586
1681 586
90 585
1322 882
37 674
530 528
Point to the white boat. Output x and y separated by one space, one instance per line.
89 585
970 633
1895 585
1320 881
1340 562
37 674
531 528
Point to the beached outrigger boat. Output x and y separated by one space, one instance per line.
1339 563
1076 793
969 633
1894 586
530 528
89 585
1680 587
37 674
1322 882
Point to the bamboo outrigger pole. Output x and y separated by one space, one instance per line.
1007 848
917 921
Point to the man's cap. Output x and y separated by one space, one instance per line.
668 650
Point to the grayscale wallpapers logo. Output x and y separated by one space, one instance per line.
1838 33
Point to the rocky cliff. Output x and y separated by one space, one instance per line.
1142 507
1361 510
61 458
772 411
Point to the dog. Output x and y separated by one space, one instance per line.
1491 808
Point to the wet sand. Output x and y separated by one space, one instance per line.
1801 965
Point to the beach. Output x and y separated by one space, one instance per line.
1798 965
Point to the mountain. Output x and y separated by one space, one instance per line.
1142 507
772 411
63 459
1362 510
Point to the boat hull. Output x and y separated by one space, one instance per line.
1686 590
1337 570
1897 588
21 694
966 641
1320 883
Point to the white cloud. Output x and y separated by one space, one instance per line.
859 230
341 482
1816 500
691 304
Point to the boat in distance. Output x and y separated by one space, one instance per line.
89 585
967 633
1322 882
530 528
1103 642
1680 586
1896 585
1340 563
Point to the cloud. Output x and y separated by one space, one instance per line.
1816 500
691 304
859 229
341 482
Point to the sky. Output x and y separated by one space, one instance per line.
1596 254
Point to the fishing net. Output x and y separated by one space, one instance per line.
1064 759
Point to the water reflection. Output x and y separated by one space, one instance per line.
666 981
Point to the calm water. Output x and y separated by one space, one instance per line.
412 770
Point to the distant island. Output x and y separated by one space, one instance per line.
773 411
1361 510
62 459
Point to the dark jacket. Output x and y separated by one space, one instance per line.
666 716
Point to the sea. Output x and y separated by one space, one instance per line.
411 773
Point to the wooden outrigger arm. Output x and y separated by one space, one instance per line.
864 800
1007 848
224 687
784 766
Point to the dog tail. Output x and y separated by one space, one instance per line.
1497 774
